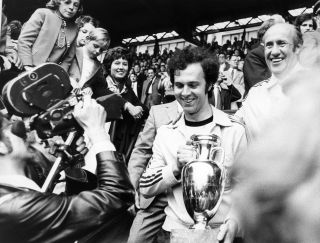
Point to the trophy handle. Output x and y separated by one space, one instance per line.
218 156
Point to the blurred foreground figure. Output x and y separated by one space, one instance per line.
278 201
27 215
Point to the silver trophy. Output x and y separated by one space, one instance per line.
203 180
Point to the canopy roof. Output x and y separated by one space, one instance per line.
130 18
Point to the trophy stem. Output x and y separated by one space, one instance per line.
201 222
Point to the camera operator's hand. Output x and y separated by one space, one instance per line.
81 146
91 117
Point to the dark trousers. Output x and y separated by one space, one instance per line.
148 222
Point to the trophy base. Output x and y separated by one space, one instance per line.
194 236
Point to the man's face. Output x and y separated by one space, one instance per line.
279 50
190 89
222 59
133 77
162 67
150 74
11 143
83 34
136 68
234 61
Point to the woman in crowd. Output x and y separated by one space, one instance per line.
50 34
125 132
305 23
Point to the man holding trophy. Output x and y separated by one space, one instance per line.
184 165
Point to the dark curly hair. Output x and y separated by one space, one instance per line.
189 55
114 54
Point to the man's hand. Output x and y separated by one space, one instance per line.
185 154
228 231
81 146
91 117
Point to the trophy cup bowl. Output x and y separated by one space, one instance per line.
203 180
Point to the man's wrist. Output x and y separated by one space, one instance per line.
97 136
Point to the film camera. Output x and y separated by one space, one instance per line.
44 94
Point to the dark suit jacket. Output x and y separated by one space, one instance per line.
142 152
155 97
255 68
140 79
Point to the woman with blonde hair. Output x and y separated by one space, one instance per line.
85 70
50 34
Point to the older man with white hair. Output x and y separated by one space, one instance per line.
282 43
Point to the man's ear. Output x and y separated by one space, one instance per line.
3 148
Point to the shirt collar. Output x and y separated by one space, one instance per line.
219 117
20 182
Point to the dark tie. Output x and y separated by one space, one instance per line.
62 35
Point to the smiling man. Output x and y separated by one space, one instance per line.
194 71
282 44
